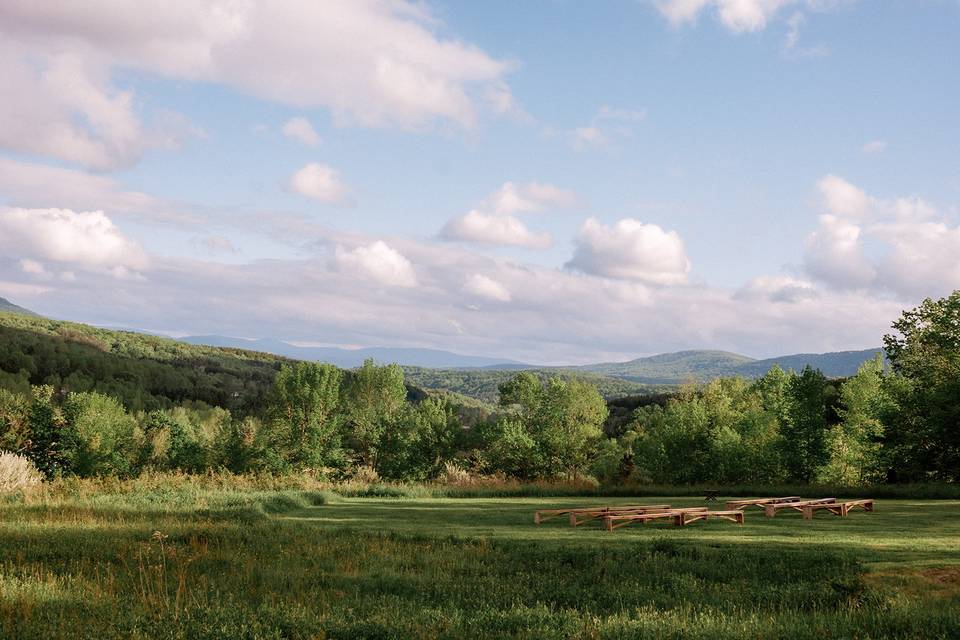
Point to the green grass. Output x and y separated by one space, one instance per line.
199 562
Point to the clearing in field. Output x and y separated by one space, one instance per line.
300 565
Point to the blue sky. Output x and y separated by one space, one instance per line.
553 181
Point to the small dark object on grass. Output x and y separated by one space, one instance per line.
711 495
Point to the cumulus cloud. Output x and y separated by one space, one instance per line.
842 198
299 128
485 287
321 183
378 262
370 62
630 250
84 240
495 221
834 254
903 246
485 228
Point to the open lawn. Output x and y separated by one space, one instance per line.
231 564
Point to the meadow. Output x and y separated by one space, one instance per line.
189 560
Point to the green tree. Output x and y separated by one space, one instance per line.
555 426
305 398
804 433
50 442
103 433
854 445
420 441
925 354
373 398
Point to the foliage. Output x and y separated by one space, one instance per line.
304 425
373 397
925 354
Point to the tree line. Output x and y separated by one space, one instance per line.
894 421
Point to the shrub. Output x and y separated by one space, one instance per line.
17 472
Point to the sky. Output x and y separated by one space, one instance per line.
553 181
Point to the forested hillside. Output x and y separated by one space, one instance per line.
85 401
144 372
483 383
703 366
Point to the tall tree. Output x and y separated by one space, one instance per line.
305 397
373 398
804 435
854 444
925 353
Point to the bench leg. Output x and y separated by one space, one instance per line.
769 511
536 517
808 513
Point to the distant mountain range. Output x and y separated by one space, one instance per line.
662 369
9 307
670 368
666 368
429 358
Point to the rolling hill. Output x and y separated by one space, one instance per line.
349 358
9 307
683 366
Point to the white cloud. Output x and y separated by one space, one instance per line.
485 228
371 62
902 246
63 105
527 198
923 257
834 254
742 15
300 129
486 287
85 240
874 147
378 262
784 289
320 182
630 250
842 198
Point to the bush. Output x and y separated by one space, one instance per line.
17 472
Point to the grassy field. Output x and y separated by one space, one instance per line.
169 563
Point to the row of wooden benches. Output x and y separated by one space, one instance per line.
618 516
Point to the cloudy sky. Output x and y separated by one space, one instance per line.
555 182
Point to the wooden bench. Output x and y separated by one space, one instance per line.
771 509
546 514
581 516
759 502
687 517
838 508
614 521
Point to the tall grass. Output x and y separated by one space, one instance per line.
203 557
17 473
